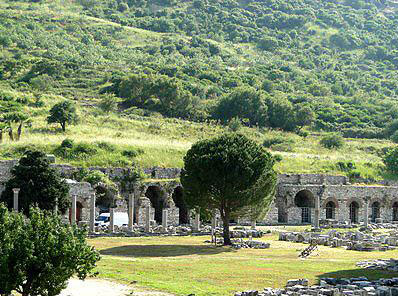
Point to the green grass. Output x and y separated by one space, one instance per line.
164 142
184 265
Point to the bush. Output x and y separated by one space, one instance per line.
391 160
394 137
234 124
332 141
67 143
40 254
277 140
131 153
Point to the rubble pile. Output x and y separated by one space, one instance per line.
243 232
380 264
360 286
350 240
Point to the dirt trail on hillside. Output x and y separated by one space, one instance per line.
96 287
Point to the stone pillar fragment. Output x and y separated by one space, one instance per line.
165 218
73 214
366 214
16 197
111 220
131 212
92 213
147 219
317 212
196 222
254 224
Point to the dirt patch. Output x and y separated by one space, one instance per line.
96 287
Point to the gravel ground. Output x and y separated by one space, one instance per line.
95 287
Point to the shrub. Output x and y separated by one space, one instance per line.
234 124
40 254
394 137
131 153
332 141
276 140
391 160
67 143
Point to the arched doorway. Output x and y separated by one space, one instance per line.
354 209
395 211
155 196
305 200
330 210
178 198
375 211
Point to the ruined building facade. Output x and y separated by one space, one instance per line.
296 199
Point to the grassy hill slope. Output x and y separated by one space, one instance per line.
336 58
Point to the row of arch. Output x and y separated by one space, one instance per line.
305 200
158 202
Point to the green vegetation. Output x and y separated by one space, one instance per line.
40 254
248 179
40 185
332 141
302 66
202 269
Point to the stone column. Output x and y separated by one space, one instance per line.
317 212
254 224
165 218
16 193
92 213
213 227
366 213
196 222
111 220
131 211
148 219
73 215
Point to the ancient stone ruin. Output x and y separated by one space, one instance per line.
358 241
320 200
360 286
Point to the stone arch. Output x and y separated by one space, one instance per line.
357 200
354 211
305 200
155 195
332 199
330 210
179 201
375 206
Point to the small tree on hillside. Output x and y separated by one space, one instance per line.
63 113
332 141
39 183
390 160
39 254
229 173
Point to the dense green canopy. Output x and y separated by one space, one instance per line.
230 173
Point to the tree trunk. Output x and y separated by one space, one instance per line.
225 218
19 131
63 125
10 134
1 136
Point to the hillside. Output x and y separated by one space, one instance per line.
181 69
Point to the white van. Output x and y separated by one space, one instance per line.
120 219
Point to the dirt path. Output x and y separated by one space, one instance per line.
96 287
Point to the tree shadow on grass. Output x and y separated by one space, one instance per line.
371 274
164 250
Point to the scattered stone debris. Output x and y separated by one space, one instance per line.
309 250
243 232
358 241
360 286
380 264
250 244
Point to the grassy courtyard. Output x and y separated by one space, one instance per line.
184 265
